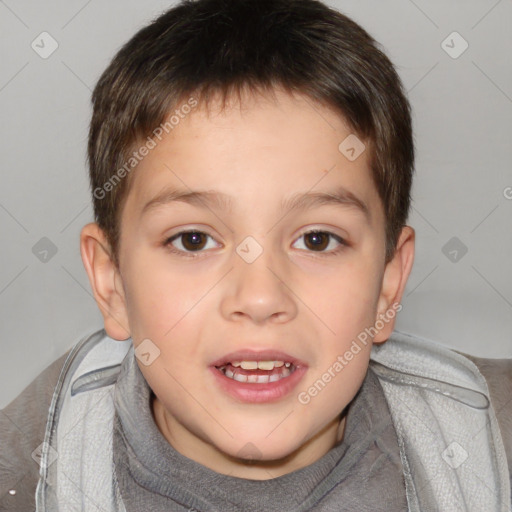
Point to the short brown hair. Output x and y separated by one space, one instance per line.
200 47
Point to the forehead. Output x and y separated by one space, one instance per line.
272 149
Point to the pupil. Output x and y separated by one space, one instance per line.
319 240
194 239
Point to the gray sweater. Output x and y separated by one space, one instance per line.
363 472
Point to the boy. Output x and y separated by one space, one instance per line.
273 139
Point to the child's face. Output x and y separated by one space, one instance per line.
307 297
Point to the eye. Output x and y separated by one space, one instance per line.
318 241
188 242
185 243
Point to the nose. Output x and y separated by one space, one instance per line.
259 291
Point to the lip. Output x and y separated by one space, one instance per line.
250 392
258 355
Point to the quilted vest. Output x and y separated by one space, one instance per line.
450 444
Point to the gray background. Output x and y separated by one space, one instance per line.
463 184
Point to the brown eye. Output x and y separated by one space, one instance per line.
186 242
193 240
317 240
323 242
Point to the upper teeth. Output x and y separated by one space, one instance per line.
262 365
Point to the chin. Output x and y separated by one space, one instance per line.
263 451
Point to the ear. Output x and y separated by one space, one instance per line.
105 281
394 280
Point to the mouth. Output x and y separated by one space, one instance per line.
251 376
257 372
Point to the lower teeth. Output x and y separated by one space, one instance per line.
257 379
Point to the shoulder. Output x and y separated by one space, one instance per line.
498 374
22 429
23 421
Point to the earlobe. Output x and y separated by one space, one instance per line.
395 278
103 273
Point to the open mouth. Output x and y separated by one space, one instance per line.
258 376
257 372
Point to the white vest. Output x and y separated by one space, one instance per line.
450 444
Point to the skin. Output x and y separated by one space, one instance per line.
308 302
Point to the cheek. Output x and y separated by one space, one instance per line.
157 297
332 387
347 299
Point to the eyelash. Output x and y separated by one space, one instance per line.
194 254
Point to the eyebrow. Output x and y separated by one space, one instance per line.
299 201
